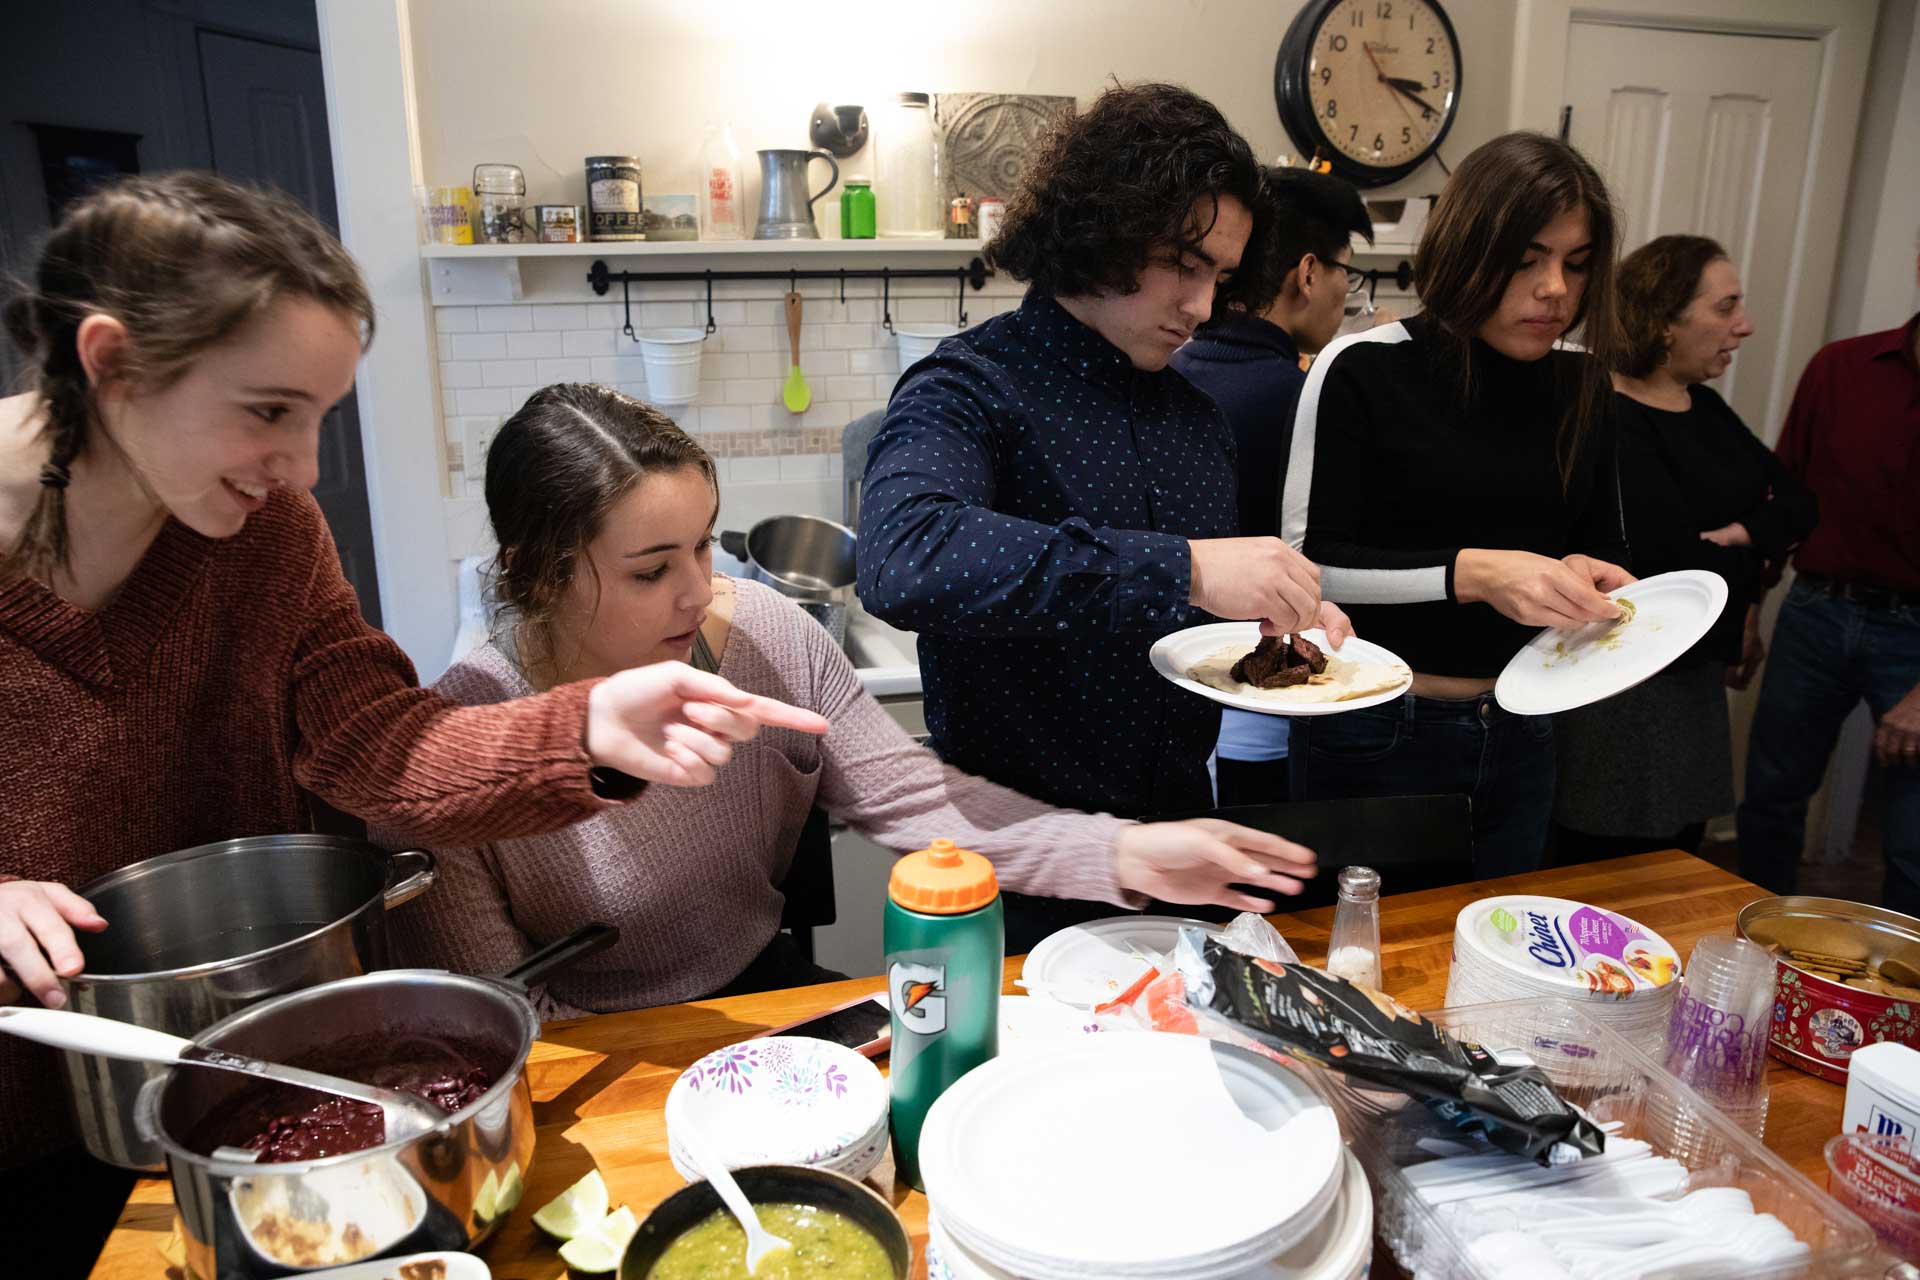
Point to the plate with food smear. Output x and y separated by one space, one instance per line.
1297 675
1566 667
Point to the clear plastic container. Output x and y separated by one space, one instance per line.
1600 1071
1353 952
907 193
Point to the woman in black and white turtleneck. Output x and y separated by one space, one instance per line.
1453 476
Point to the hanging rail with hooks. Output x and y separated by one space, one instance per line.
974 274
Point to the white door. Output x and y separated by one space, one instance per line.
1706 134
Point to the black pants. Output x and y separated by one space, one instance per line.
1571 847
57 1212
1239 782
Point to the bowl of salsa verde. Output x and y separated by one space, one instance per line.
839 1228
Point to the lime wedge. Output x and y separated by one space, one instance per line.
600 1248
486 1200
619 1228
512 1187
590 1254
579 1209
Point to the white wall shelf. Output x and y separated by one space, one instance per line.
482 274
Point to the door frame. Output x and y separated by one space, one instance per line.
1844 30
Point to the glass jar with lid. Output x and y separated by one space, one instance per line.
908 190
500 194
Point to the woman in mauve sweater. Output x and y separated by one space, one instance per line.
604 512
179 652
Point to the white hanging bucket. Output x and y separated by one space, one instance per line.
673 364
918 341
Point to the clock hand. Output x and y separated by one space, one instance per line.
1396 85
1399 87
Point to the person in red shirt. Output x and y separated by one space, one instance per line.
1850 627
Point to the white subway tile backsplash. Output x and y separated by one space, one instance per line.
753 470
666 314
560 315
479 346
576 370
503 319
532 346
803 466
875 360
620 369
491 358
823 364
725 417
511 373
587 342
482 400
751 391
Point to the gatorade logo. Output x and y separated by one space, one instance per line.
918 993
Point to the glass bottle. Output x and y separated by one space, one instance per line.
908 191
721 217
1353 952
857 220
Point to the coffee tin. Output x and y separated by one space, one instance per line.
613 198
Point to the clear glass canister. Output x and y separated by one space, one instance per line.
500 194
907 192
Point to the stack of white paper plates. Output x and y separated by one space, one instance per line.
1142 1155
1619 972
782 1100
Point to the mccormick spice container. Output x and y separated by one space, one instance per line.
557 224
613 198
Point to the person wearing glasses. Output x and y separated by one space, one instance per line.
1248 358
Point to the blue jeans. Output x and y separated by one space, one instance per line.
1828 654
1416 746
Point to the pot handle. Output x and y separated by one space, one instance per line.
734 543
553 957
419 868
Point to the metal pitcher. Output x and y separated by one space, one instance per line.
786 210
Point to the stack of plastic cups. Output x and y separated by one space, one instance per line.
1717 1038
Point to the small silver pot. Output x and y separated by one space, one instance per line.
804 558
196 935
445 1189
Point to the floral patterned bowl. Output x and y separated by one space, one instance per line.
783 1100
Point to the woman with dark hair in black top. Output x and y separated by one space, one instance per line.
1453 478
1647 769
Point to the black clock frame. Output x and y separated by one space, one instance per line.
1292 95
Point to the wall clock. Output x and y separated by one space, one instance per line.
1372 85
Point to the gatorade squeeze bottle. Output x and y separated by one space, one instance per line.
946 940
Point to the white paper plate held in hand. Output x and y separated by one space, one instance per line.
1566 667
1361 674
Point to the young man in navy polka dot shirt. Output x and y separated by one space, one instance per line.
1046 498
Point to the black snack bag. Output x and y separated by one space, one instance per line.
1361 1032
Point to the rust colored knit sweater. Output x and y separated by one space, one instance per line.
224 677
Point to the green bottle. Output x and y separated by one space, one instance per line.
857 221
946 941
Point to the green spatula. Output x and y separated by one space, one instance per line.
796 394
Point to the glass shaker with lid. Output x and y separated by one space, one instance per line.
908 191
500 191
1353 952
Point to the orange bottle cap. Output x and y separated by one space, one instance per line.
943 880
